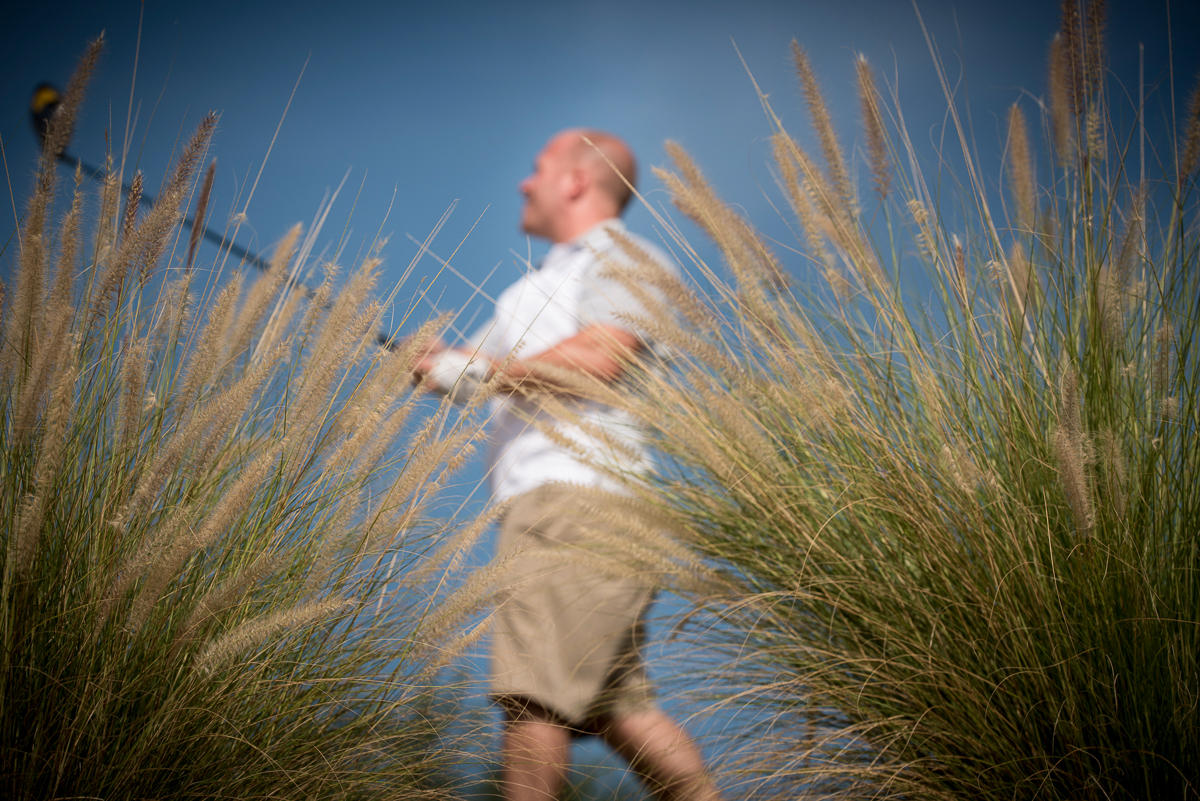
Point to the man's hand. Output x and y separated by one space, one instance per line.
457 374
424 358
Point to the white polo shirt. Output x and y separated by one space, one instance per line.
564 295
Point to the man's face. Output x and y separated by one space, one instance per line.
547 188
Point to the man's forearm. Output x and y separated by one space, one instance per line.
599 352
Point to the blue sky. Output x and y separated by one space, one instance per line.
429 106
426 105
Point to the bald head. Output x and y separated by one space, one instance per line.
610 162
580 178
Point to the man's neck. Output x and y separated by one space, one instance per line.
580 227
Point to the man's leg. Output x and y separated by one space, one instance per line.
536 751
660 751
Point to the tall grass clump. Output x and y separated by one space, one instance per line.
217 579
948 478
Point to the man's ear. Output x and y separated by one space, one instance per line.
577 182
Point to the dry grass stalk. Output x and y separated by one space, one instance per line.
160 225
961 527
62 126
1111 300
1082 68
1094 127
925 234
1020 169
1061 104
1023 282
839 222
1073 54
877 151
25 319
959 276
1094 51
1164 346
227 594
1073 452
367 446
832 214
642 271
800 196
168 556
147 527
106 223
1116 472
279 323
263 293
821 121
682 342
51 454
51 342
193 440
141 247
71 243
341 333
750 260
340 523
134 373
262 630
198 217
132 203
630 537
209 351
454 549
424 469
1129 251
1191 135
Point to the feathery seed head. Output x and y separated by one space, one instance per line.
1020 169
1073 451
925 235
1094 52
1073 54
1094 128
1061 103
873 124
1112 459
260 630
1190 152
1164 340
132 203
823 124
201 211
960 464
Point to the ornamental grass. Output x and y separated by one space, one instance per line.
218 575
943 485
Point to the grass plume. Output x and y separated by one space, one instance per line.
951 543
180 536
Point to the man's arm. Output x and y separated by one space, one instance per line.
600 351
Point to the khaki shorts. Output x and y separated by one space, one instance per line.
567 636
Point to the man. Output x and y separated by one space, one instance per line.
566 643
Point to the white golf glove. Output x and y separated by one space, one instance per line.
456 375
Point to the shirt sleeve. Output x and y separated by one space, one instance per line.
613 293
484 340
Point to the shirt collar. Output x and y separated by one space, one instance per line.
596 238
